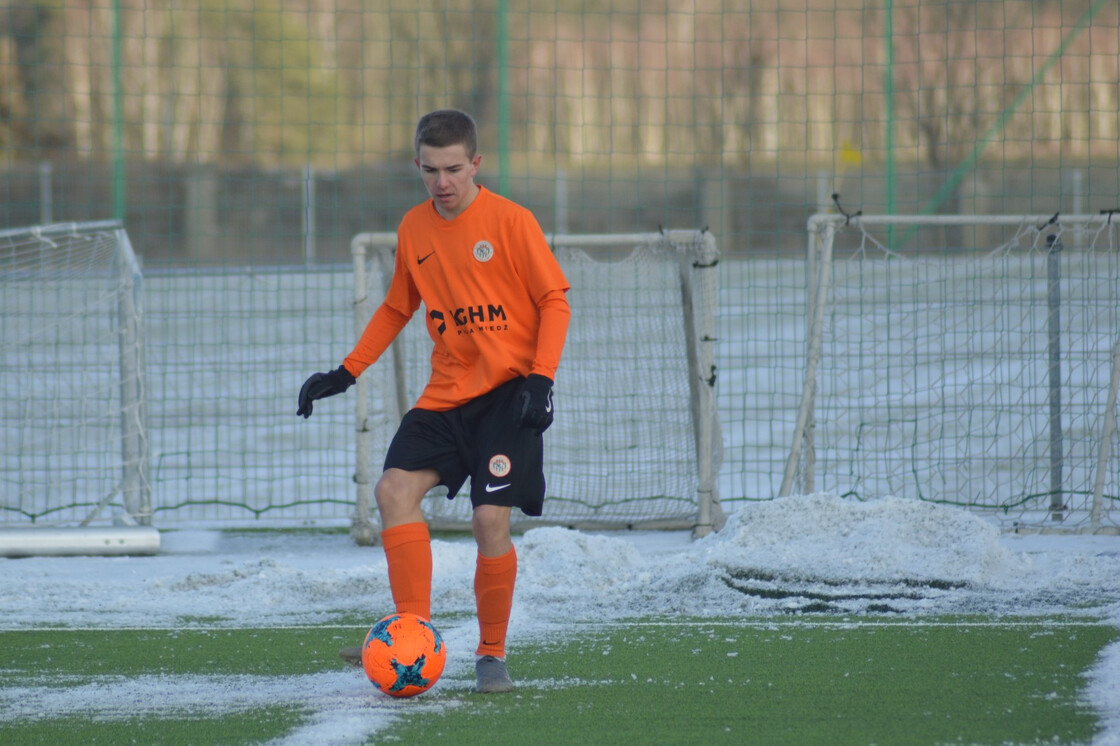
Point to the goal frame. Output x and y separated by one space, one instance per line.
132 485
697 257
822 229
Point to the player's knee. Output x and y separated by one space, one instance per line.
398 494
383 494
393 495
490 524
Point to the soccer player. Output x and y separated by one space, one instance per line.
496 309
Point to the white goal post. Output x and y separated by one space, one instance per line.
74 437
964 359
636 439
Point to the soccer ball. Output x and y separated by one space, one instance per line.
403 655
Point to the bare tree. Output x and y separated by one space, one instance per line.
36 34
937 79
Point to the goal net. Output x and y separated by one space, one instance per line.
968 360
635 442
73 440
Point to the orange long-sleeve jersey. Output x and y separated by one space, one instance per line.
493 294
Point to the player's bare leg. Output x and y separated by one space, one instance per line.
490 525
398 494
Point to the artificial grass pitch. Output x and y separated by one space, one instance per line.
743 681
63 659
903 682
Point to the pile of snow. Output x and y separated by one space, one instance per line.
797 554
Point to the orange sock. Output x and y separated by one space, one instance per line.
493 592
408 551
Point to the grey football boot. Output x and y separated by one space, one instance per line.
352 655
493 678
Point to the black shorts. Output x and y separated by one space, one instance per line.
483 439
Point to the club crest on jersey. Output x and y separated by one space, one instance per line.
483 251
500 465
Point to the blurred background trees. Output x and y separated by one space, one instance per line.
340 82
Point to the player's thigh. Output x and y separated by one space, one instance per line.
404 487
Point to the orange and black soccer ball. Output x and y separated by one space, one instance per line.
403 655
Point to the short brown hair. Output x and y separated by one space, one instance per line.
445 127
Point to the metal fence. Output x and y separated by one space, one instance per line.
227 136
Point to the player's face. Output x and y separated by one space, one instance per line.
448 175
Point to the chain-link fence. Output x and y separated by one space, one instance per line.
235 134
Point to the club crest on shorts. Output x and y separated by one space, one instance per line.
483 251
500 465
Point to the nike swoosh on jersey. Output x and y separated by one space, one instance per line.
422 259
495 487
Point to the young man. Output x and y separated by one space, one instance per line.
496 309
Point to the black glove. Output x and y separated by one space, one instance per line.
322 385
536 402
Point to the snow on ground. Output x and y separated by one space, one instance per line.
815 553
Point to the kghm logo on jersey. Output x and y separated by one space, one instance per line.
500 465
480 316
472 319
483 251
